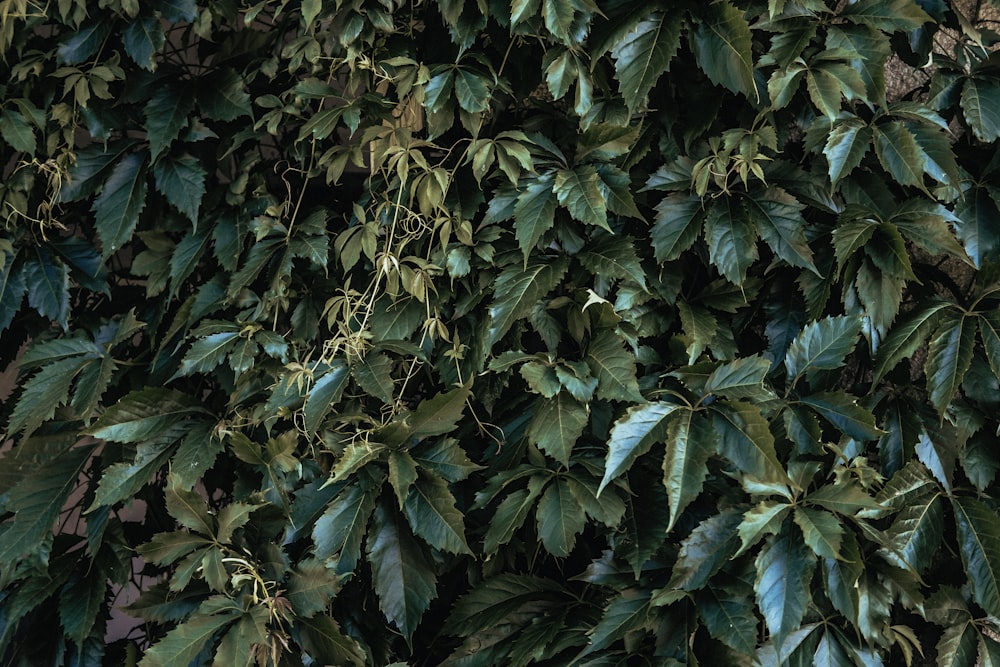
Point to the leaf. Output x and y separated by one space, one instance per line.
899 153
689 444
48 285
843 411
498 600
166 115
732 239
578 190
763 519
823 344
700 328
721 42
633 435
822 531
981 107
438 415
625 613
534 212
778 218
509 517
978 225
311 586
430 509
907 336
613 257
958 646
517 291
886 15
324 641
614 368
471 91
746 440
16 131
979 543
784 569
43 394
403 576
182 645
949 356
560 518
143 38
916 533
121 201
872 49
189 509
677 225
705 551
342 527
182 181
12 290
208 352
374 374
557 424
743 378
144 414
644 54
221 96
846 147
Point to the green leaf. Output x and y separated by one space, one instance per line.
613 257
341 528
43 393
311 586
121 201
633 435
614 368
784 569
778 218
899 153
517 291
143 38
166 115
746 440
728 615
439 414
182 645
325 392
48 285
886 15
743 378
846 147
989 332
445 458
430 509
16 131
842 410
560 518
403 576
721 42
979 543
677 225
534 212
689 444
958 646
906 336
182 181
828 82
763 519
189 509
916 532
705 551
498 600
510 516
978 225
578 190
872 49
557 424
625 613
144 414
208 352
644 54
823 344
731 238
822 531
700 328
221 95
981 107
374 374
949 356
323 640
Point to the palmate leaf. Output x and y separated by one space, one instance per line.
518 290
743 378
578 189
614 368
949 356
644 54
340 530
705 550
827 82
48 285
978 531
846 147
784 568
144 414
778 218
689 443
182 645
978 224
677 225
728 614
731 238
981 106
43 393
613 257
121 201
311 586
765 518
559 517
822 345
182 181
557 424
510 516
721 41
872 48
907 335
403 575
745 439
899 153
821 530
534 212
842 410
916 533
430 509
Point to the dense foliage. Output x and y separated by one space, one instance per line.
485 333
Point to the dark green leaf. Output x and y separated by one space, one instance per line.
916 533
324 393
144 414
16 131
578 190
143 38
534 212
557 424
948 358
778 218
822 531
221 95
979 543
614 368
560 518
981 105
677 225
906 336
846 147
12 290
731 238
746 440
823 344
644 54
705 550
48 284
743 378
324 641
311 586
430 509
182 645
633 435
978 225
43 393
182 181
689 443
842 410
899 153
721 40
784 570
613 257
166 115
121 201
517 291
623 614
886 15
341 528
439 414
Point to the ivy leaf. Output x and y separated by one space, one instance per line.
746 440
613 257
47 280
822 345
182 181
872 49
517 291
822 531
633 435
560 518
578 189
784 569
557 424
121 201
949 356
843 411
324 641
510 516
43 393
689 444
403 576
430 509
221 96
700 328
705 550
644 54
16 131
978 225
721 42
325 392
342 527
886 15
763 519
182 645
981 106
208 352
143 38
743 378
534 212
899 153
732 239
778 218
166 115
957 646
144 414
677 225
846 147
311 586
625 613
12 291
614 368
916 532
439 414
906 336
727 611
979 543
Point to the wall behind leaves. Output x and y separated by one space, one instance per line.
543 332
